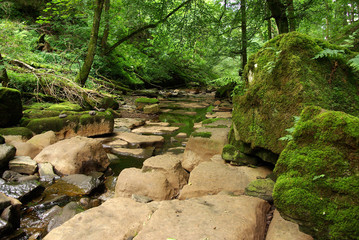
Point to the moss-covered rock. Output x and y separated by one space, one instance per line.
318 175
143 101
261 188
87 123
10 107
232 154
283 78
26 133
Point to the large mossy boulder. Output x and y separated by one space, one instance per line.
282 79
10 107
318 175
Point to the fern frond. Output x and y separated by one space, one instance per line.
329 53
354 63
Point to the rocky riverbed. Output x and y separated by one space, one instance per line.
157 176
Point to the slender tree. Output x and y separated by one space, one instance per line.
244 33
106 30
86 67
291 17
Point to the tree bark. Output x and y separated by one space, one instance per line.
269 22
291 17
4 79
244 33
278 10
148 26
106 30
327 21
86 67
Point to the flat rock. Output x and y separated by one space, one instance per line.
281 229
116 142
84 182
219 115
26 149
136 152
7 152
152 184
210 178
158 130
129 122
4 201
67 212
117 218
23 164
220 122
200 149
170 166
151 109
210 217
140 140
162 124
44 139
75 155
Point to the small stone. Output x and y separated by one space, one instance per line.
23 164
101 109
181 135
92 113
63 115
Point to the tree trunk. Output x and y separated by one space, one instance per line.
4 79
106 30
327 21
86 67
291 16
278 10
269 23
244 33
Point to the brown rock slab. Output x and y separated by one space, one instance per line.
129 122
158 130
281 229
26 149
219 115
117 218
152 184
136 152
200 149
210 178
141 140
75 155
23 164
170 166
210 217
43 140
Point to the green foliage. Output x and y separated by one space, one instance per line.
329 53
201 134
289 137
354 63
146 100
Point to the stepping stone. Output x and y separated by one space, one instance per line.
129 122
137 152
141 140
219 115
158 130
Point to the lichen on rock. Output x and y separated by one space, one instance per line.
318 175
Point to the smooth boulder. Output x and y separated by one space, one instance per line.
75 155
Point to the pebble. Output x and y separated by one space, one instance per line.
63 115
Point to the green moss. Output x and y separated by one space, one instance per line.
282 79
318 175
211 120
146 100
20 131
261 188
229 152
55 124
202 134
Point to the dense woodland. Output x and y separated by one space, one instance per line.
118 46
